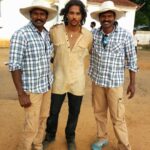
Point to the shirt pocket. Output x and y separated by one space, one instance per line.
58 45
33 55
117 48
35 49
82 50
58 40
59 50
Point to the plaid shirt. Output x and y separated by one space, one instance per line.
31 54
107 64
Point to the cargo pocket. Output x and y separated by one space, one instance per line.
121 108
92 95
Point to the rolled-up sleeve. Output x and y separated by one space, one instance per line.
131 57
17 47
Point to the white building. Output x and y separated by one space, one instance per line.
11 19
127 21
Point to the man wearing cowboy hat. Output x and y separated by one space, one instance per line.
30 54
113 50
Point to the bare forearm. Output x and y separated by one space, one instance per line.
131 87
132 77
23 97
16 75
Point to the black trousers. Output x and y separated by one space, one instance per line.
74 103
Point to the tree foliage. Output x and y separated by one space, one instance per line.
142 14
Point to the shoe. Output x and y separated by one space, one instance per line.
99 144
33 148
45 144
71 145
48 140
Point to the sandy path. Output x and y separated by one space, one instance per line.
137 113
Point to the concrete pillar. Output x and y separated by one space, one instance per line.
0 15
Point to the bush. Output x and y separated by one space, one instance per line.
144 47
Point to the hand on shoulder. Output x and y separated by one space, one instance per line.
56 25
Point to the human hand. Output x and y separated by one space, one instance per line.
131 91
24 100
55 25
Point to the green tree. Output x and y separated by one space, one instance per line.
142 14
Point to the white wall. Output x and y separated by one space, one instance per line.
12 20
143 37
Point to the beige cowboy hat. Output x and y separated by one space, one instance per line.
107 6
42 4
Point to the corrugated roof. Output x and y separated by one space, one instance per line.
118 2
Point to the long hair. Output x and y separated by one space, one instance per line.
71 3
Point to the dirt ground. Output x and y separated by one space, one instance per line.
137 113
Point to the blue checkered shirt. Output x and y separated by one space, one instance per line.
107 64
31 54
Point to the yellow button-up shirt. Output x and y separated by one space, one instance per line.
68 69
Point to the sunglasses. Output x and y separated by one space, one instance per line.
105 40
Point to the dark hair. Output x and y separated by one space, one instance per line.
116 23
93 24
71 3
134 30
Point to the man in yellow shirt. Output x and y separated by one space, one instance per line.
72 43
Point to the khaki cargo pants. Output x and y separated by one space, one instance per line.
112 98
35 122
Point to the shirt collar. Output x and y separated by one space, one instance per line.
35 29
82 29
114 30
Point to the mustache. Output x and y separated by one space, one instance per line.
38 20
106 21
73 20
